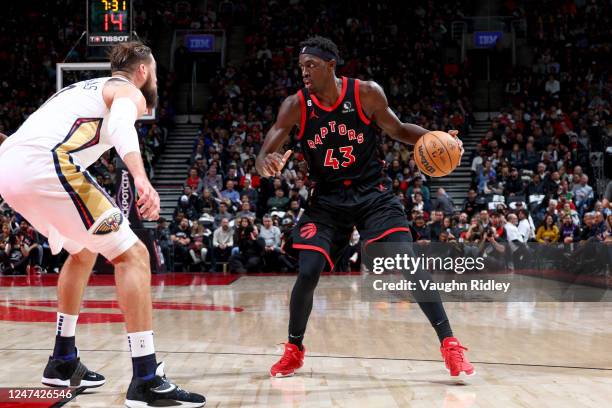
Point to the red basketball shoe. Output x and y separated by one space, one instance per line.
291 360
456 362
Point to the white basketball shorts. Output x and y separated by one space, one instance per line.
63 202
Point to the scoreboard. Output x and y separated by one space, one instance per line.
109 21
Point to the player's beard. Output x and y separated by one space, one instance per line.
149 91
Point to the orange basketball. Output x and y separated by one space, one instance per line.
437 153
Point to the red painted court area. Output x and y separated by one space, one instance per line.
45 310
167 279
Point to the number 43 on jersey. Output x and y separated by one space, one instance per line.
348 158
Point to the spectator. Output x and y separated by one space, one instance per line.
245 212
552 86
588 232
272 240
470 205
525 226
511 229
32 244
193 198
417 203
186 208
200 243
279 201
248 258
250 192
181 238
303 191
163 237
194 181
535 187
607 199
230 194
547 232
417 184
583 194
223 241
492 250
435 225
569 231
599 226
444 203
223 214
608 232
484 220
486 176
420 231
295 211
514 185
16 255
461 226
531 157
474 233
516 157
212 181
207 204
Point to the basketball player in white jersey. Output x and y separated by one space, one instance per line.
44 177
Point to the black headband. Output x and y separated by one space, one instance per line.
321 53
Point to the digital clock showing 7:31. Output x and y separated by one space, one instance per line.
109 21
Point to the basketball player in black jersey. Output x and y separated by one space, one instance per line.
336 119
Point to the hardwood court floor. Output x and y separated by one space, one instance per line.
218 336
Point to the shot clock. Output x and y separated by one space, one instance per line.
109 21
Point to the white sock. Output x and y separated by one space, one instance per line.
66 324
141 343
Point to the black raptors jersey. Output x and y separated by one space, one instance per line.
339 142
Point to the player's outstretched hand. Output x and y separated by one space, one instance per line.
454 133
148 199
274 163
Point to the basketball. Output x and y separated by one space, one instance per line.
437 153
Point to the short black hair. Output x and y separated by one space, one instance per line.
321 42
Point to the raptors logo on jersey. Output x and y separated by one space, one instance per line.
339 142
308 231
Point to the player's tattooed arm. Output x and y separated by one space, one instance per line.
269 161
375 105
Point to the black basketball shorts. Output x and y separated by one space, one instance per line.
328 223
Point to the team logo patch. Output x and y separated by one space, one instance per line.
347 107
313 115
308 231
109 224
